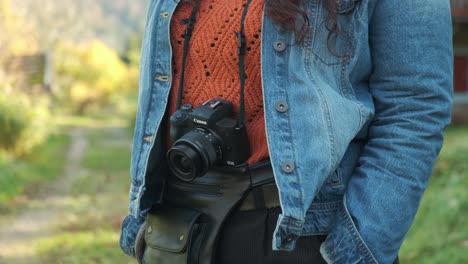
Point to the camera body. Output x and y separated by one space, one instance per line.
205 136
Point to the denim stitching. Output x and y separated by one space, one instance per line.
350 7
143 169
330 133
352 96
301 195
344 91
308 67
328 121
362 6
311 51
290 132
356 236
292 223
146 115
325 206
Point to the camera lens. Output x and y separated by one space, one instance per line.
184 164
194 153
184 161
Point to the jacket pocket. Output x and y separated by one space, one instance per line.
332 48
333 188
170 235
346 6
335 179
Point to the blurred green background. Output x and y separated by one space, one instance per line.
68 95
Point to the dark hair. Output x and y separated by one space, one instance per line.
291 15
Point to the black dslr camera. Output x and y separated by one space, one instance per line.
204 137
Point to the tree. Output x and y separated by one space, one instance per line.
89 74
111 21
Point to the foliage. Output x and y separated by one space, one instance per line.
23 123
23 117
43 164
440 231
16 38
89 75
17 35
12 124
132 50
112 21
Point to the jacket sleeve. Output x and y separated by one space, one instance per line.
411 84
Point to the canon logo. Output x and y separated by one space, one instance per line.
200 122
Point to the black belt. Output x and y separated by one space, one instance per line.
261 197
264 193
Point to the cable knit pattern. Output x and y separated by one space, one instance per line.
212 63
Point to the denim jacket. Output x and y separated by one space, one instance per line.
364 120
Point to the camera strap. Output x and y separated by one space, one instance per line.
241 48
190 22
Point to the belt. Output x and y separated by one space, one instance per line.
263 193
261 197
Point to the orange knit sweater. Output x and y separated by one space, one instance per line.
212 63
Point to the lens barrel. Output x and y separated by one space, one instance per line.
194 154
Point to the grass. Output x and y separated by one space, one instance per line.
82 247
440 231
23 175
97 203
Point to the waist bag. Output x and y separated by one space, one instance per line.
184 230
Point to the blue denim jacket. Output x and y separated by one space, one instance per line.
364 124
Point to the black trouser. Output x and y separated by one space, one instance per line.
247 238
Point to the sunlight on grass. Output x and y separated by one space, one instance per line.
108 159
88 212
24 176
90 121
97 202
82 247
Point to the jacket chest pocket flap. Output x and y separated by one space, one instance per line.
332 48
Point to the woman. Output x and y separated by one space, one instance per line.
347 99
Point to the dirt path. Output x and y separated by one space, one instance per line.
18 238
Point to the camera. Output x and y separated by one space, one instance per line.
203 137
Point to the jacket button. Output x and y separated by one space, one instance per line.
288 167
289 238
279 45
163 78
164 14
281 106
